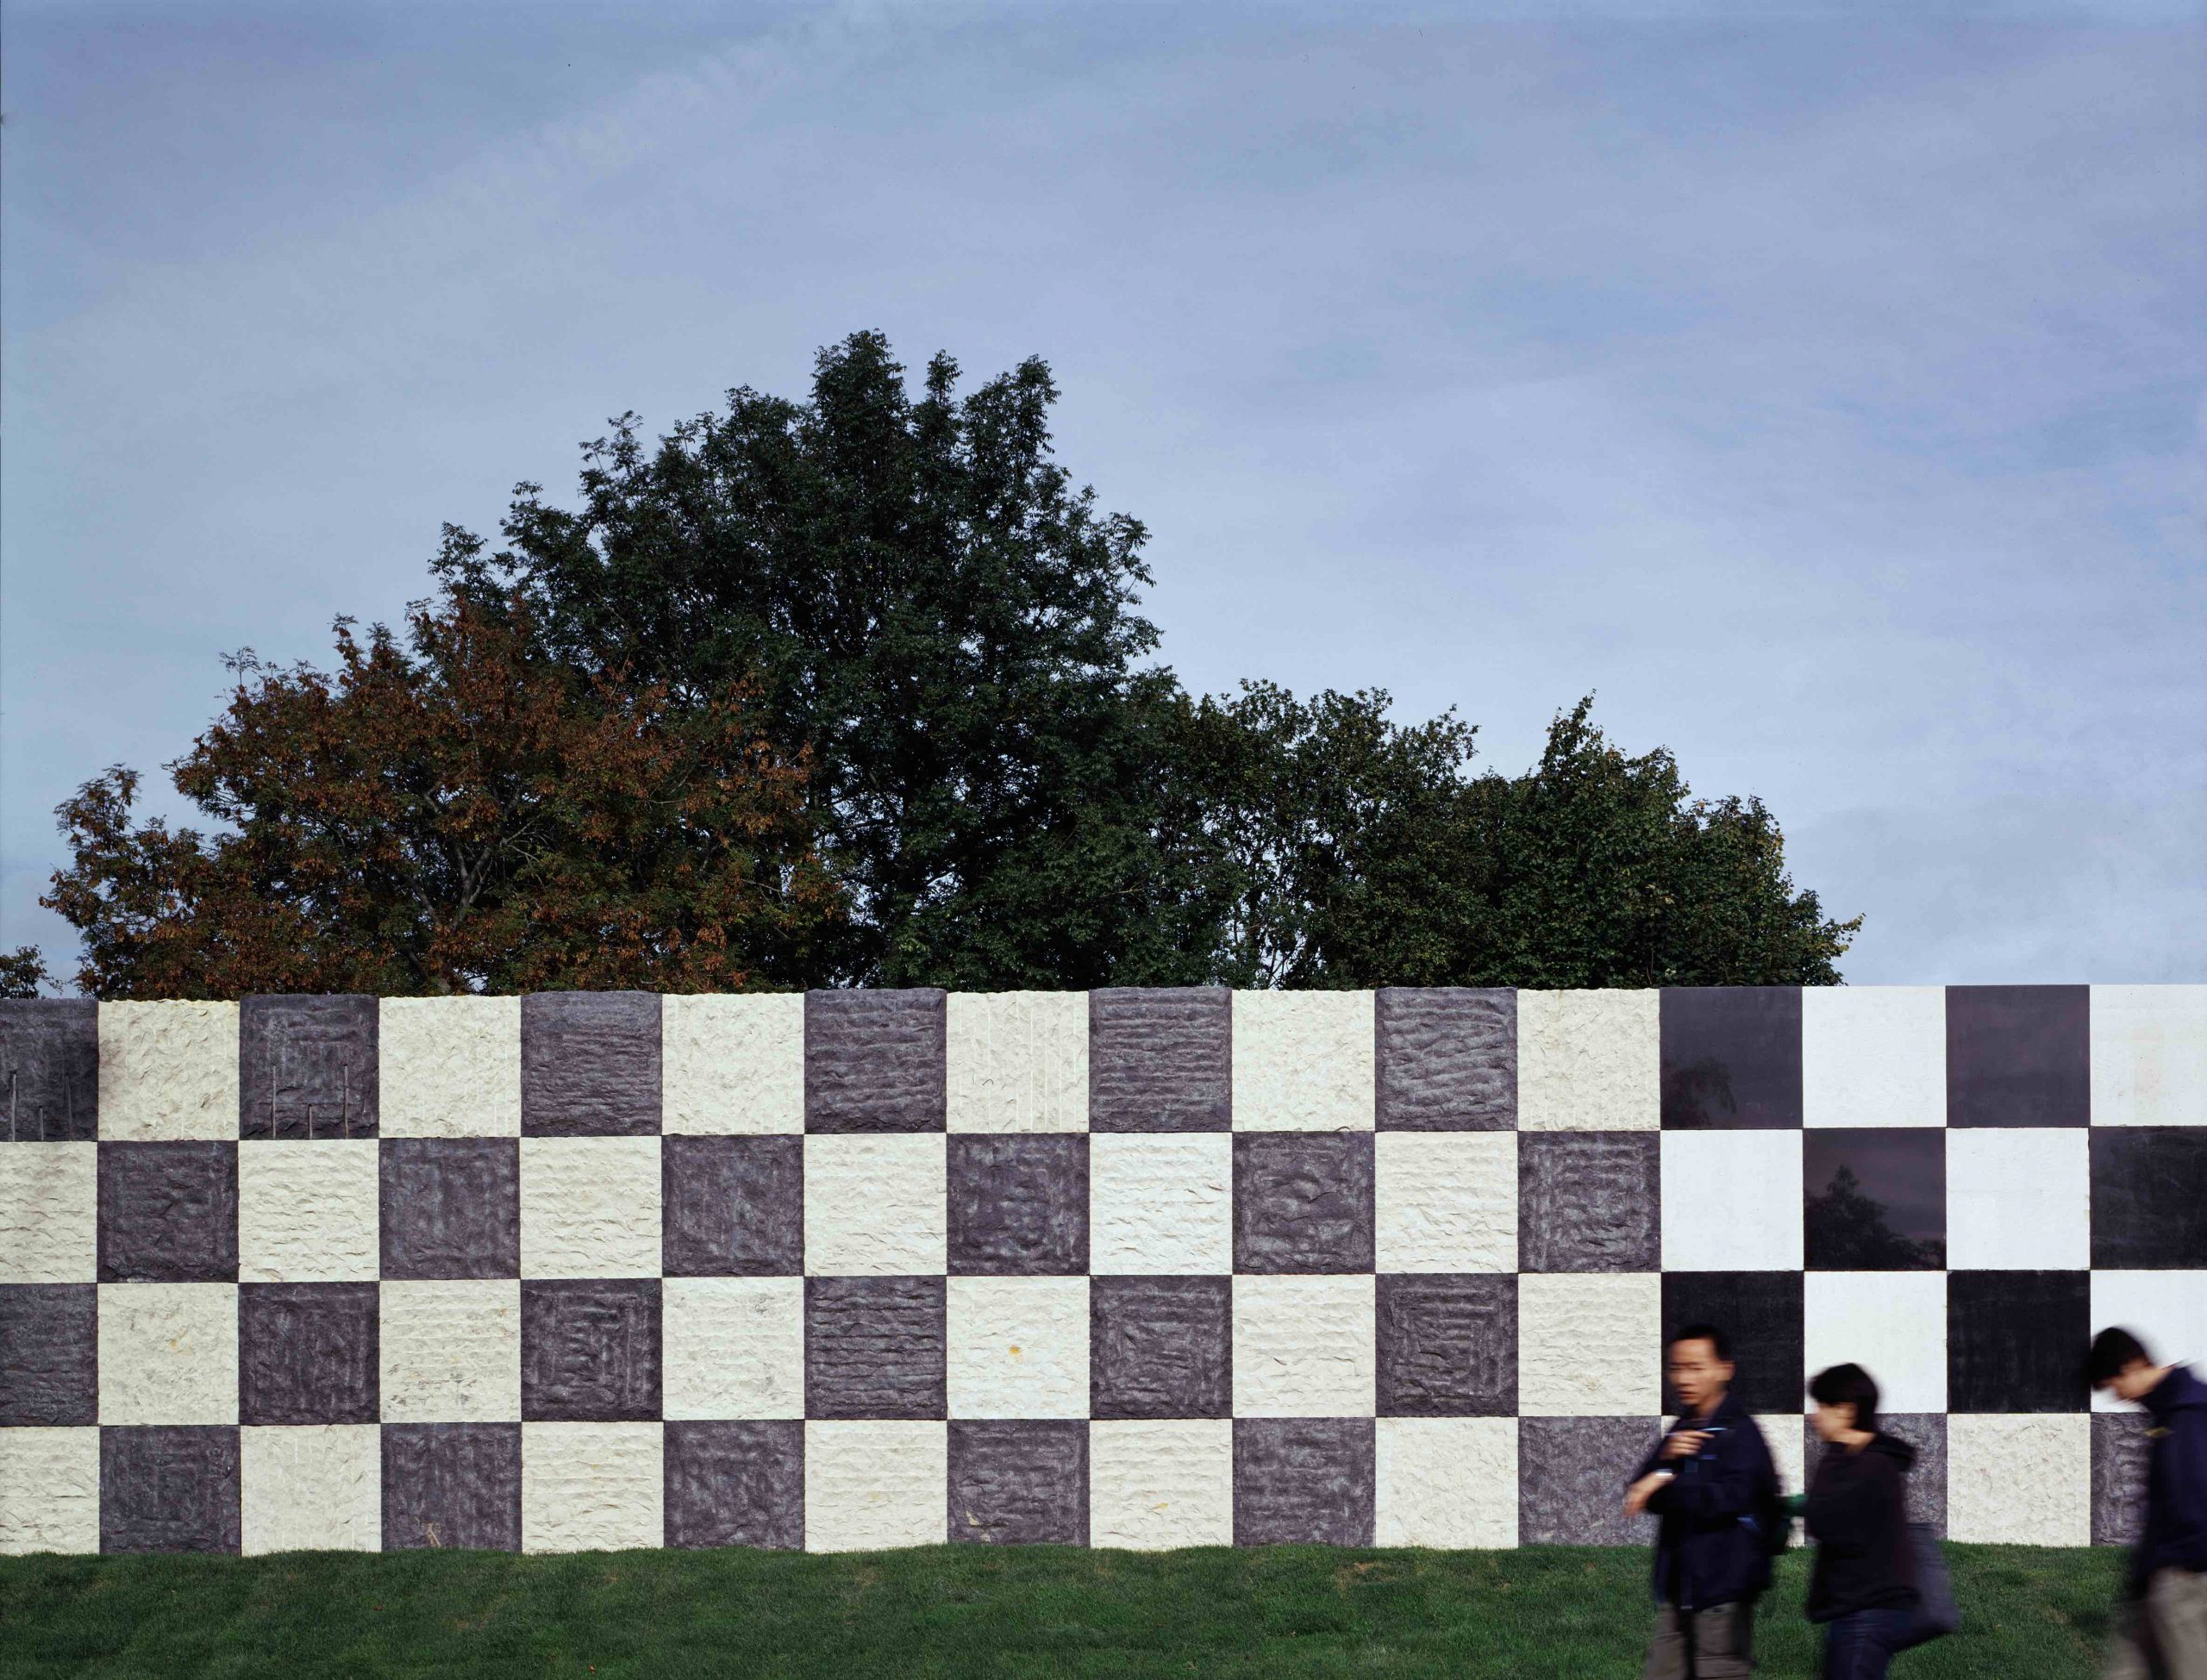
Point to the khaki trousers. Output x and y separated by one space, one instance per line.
1721 1639
2163 1636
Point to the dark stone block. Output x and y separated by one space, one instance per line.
1303 1481
1018 1206
1925 1484
1447 1058
732 1206
1019 1483
1571 1480
1160 1060
875 1347
2019 1056
1303 1201
1762 1313
1446 1345
735 1485
307 1067
1731 1057
590 1350
1590 1202
50 1069
2012 1340
455 1485
49 1354
874 1061
2121 1448
1160 1347
589 1065
1874 1199
168 1212
451 1206
2149 1197
169 1488
307 1353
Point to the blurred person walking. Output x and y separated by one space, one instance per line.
2162 1631
1863 1585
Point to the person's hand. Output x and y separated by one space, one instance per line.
1684 1443
1637 1495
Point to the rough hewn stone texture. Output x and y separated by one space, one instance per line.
1303 1346
1018 1347
307 1212
874 1484
2149 1055
1302 1203
1447 1347
591 1487
2019 1481
50 1069
1303 1061
733 1207
2019 1056
1873 1056
589 1351
1019 1483
734 1347
1447 1058
1160 1060
53 1482
1731 1057
313 1490
734 1064
168 1353
1583 1342
168 1212
49 1354
307 1067
2120 1451
1303 1481
590 1206
875 1347
451 1484
1446 1201
308 1353
874 1206
590 1064
1445 1482
168 1070
735 1485
2150 1198
1160 1204
1591 1202
1017 1061
1926 1484
451 1067
1160 1347
1018 1206
1588 1061
1571 1475
169 1490
451 1207
451 1351
49 1213
1158 1484
874 1061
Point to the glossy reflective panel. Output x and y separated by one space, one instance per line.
2013 1340
1731 1058
1874 1199
2019 1056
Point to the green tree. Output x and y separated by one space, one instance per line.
22 971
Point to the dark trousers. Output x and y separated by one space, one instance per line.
1860 1647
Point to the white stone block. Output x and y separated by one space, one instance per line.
310 1487
307 1212
1445 1481
450 1350
2019 1199
1731 1200
168 1352
1589 1344
168 1070
49 1213
732 1347
1154 1485
2149 1055
2166 1310
1893 1324
876 1485
1018 1346
1160 1202
49 1491
1017 1061
1588 1061
1303 1346
1873 1056
450 1067
1787 1437
1304 1061
875 1205
591 1487
2019 1480
733 1064
590 1207
1446 1201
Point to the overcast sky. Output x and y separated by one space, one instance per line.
1826 394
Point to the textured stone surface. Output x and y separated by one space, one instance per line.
1303 1346
307 1212
873 1061
1873 1056
1155 1485
307 1353
1018 1347
1571 1474
51 1481
168 1070
1892 1323
590 1350
735 1485
1446 1345
1786 1435
875 1347
1732 1203
50 1069
1760 1312
1160 1204
451 1067
1160 1347
49 1213
49 1354
451 1351
1018 1205
2166 1310
733 1207
1927 1478
874 1205
2019 1198
2019 1481
1590 1202
2018 1056
2149 1197
1445 1482
312 1490
1160 1060
168 1353
1446 1201
590 1064
874 1484
734 1064
2120 1451
1017 1061
451 1484
1731 1057
1303 1481
2012 1339
451 1206
307 1067
1302 1203
168 1212
1588 1061
590 1207
169 1490
1019 1483
591 1487
735 1347
2149 1055
1446 1058
1584 1342
1303 1061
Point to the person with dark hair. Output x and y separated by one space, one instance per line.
2163 1630
1712 1483
1862 1586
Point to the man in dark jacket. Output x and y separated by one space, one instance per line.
1711 1483
2164 1631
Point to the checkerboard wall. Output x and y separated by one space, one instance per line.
1127 1268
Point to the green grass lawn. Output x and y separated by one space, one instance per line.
1278 1613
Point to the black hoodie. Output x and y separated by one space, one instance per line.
1858 1515
2175 1535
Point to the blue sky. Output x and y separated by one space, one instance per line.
1823 389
